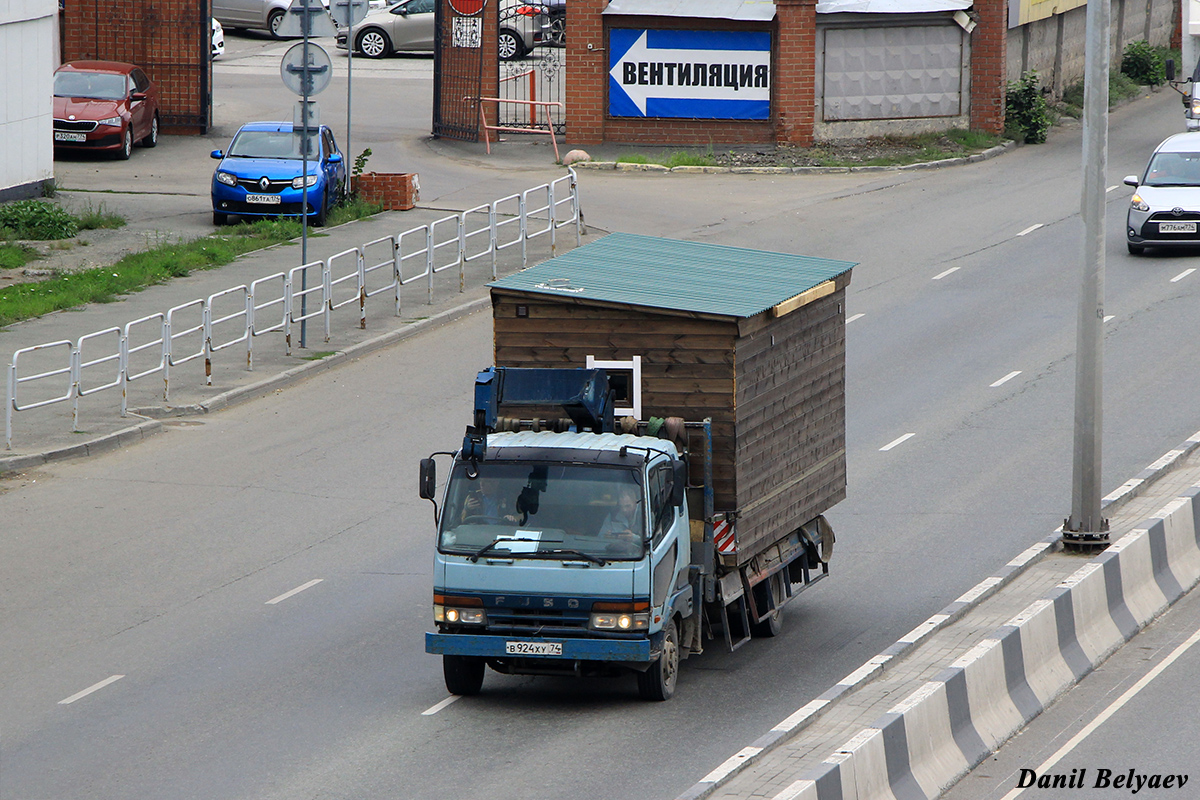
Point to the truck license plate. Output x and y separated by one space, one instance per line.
67 136
265 199
1176 227
533 648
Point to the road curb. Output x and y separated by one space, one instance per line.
154 414
624 166
949 696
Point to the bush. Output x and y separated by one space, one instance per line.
1026 114
1144 64
36 219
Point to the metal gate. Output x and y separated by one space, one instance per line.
533 36
458 74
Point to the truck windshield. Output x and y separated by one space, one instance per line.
539 510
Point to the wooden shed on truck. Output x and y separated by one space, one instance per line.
754 340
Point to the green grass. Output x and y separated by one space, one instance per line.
160 262
15 256
1120 87
678 158
94 218
319 355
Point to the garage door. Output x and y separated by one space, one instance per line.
893 72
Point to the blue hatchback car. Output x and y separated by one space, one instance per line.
260 174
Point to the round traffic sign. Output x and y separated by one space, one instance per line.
306 65
468 8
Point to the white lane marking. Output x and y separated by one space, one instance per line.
1109 189
295 591
944 274
1112 709
1110 316
94 688
429 712
851 319
1030 229
901 440
1006 378
1182 275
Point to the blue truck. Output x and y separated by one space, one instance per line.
645 473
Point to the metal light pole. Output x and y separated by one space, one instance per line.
1085 525
347 14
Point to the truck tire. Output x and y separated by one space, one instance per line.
464 674
658 682
772 626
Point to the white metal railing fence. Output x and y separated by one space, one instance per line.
158 343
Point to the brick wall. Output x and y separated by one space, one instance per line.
395 191
169 39
795 71
466 72
989 66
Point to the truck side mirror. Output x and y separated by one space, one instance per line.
1170 65
679 479
427 487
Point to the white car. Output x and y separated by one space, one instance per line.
1165 209
218 38
263 15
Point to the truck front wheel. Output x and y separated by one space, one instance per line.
658 682
464 674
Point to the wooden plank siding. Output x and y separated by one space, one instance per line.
791 421
687 360
773 386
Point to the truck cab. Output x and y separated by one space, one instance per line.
563 553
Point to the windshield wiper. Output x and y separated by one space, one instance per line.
585 556
474 557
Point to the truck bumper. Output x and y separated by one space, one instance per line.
462 644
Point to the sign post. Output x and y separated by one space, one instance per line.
347 14
306 70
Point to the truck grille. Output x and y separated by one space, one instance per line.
529 621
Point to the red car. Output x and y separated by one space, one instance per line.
104 105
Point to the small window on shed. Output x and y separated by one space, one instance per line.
625 381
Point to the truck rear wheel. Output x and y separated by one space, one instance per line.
464 674
771 626
658 682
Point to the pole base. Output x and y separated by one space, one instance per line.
1085 541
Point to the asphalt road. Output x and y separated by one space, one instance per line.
159 564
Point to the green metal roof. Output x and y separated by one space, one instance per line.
653 272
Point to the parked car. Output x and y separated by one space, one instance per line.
407 26
218 38
261 174
1165 209
262 15
104 105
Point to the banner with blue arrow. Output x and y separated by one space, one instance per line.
689 74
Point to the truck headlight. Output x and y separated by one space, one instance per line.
1138 204
227 178
620 622
1195 106
458 610
298 183
621 617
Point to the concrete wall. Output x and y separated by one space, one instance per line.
28 57
1054 46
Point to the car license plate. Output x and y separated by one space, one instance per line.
533 648
67 136
265 199
1176 227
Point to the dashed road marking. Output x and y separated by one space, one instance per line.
429 712
939 276
1031 229
1182 275
1006 378
899 441
295 591
851 319
93 688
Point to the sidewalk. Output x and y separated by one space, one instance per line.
45 434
